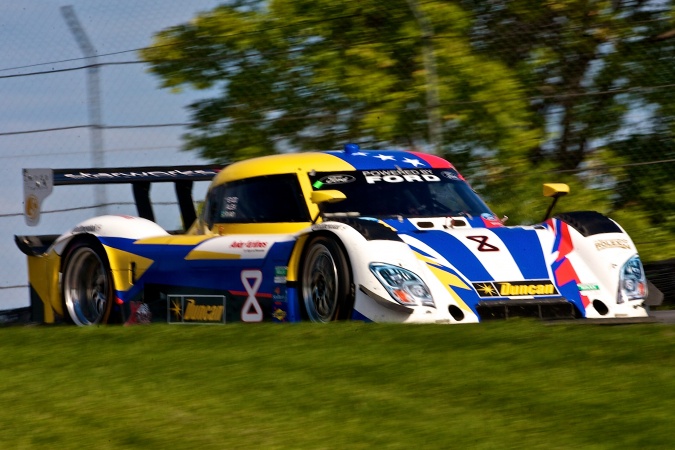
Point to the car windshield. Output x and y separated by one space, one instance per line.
403 192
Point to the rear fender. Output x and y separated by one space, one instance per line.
46 265
110 226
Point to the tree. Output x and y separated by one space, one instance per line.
315 74
598 74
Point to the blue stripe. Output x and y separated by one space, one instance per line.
455 252
523 245
293 305
358 316
558 236
525 248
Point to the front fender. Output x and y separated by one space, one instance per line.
597 252
366 245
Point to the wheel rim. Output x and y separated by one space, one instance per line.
319 284
86 287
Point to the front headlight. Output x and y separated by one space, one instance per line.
632 281
403 285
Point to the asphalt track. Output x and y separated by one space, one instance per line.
666 316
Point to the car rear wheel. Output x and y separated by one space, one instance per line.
87 283
326 282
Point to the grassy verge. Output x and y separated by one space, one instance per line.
515 384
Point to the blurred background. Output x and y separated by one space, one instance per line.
514 93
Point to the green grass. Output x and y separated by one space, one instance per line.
516 384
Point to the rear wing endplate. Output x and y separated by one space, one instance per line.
38 184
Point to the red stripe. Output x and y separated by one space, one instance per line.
565 246
434 161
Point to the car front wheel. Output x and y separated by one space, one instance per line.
326 281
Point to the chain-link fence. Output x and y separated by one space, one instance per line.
515 93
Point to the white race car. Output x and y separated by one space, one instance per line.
384 236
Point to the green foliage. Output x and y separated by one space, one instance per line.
596 73
305 75
513 384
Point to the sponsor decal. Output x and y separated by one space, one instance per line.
491 221
37 185
124 175
87 228
328 226
400 176
230 207
527 288
451 175
483 245
337 179
255 245
140 314
612 243
280 273
588 287
279 315
202 313
32 210
280 304
279 294
196 308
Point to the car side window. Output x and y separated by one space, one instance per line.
212 206
265 199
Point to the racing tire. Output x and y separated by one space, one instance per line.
87 285
589 223
326 282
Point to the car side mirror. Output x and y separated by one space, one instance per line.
327 196
555 191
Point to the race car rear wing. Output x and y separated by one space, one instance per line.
38 184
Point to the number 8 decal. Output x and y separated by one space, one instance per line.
251 311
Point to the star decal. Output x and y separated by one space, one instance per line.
414 162
385 158
176 309
487 289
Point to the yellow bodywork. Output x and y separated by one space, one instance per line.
43 273
121 267
450 281
278 164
